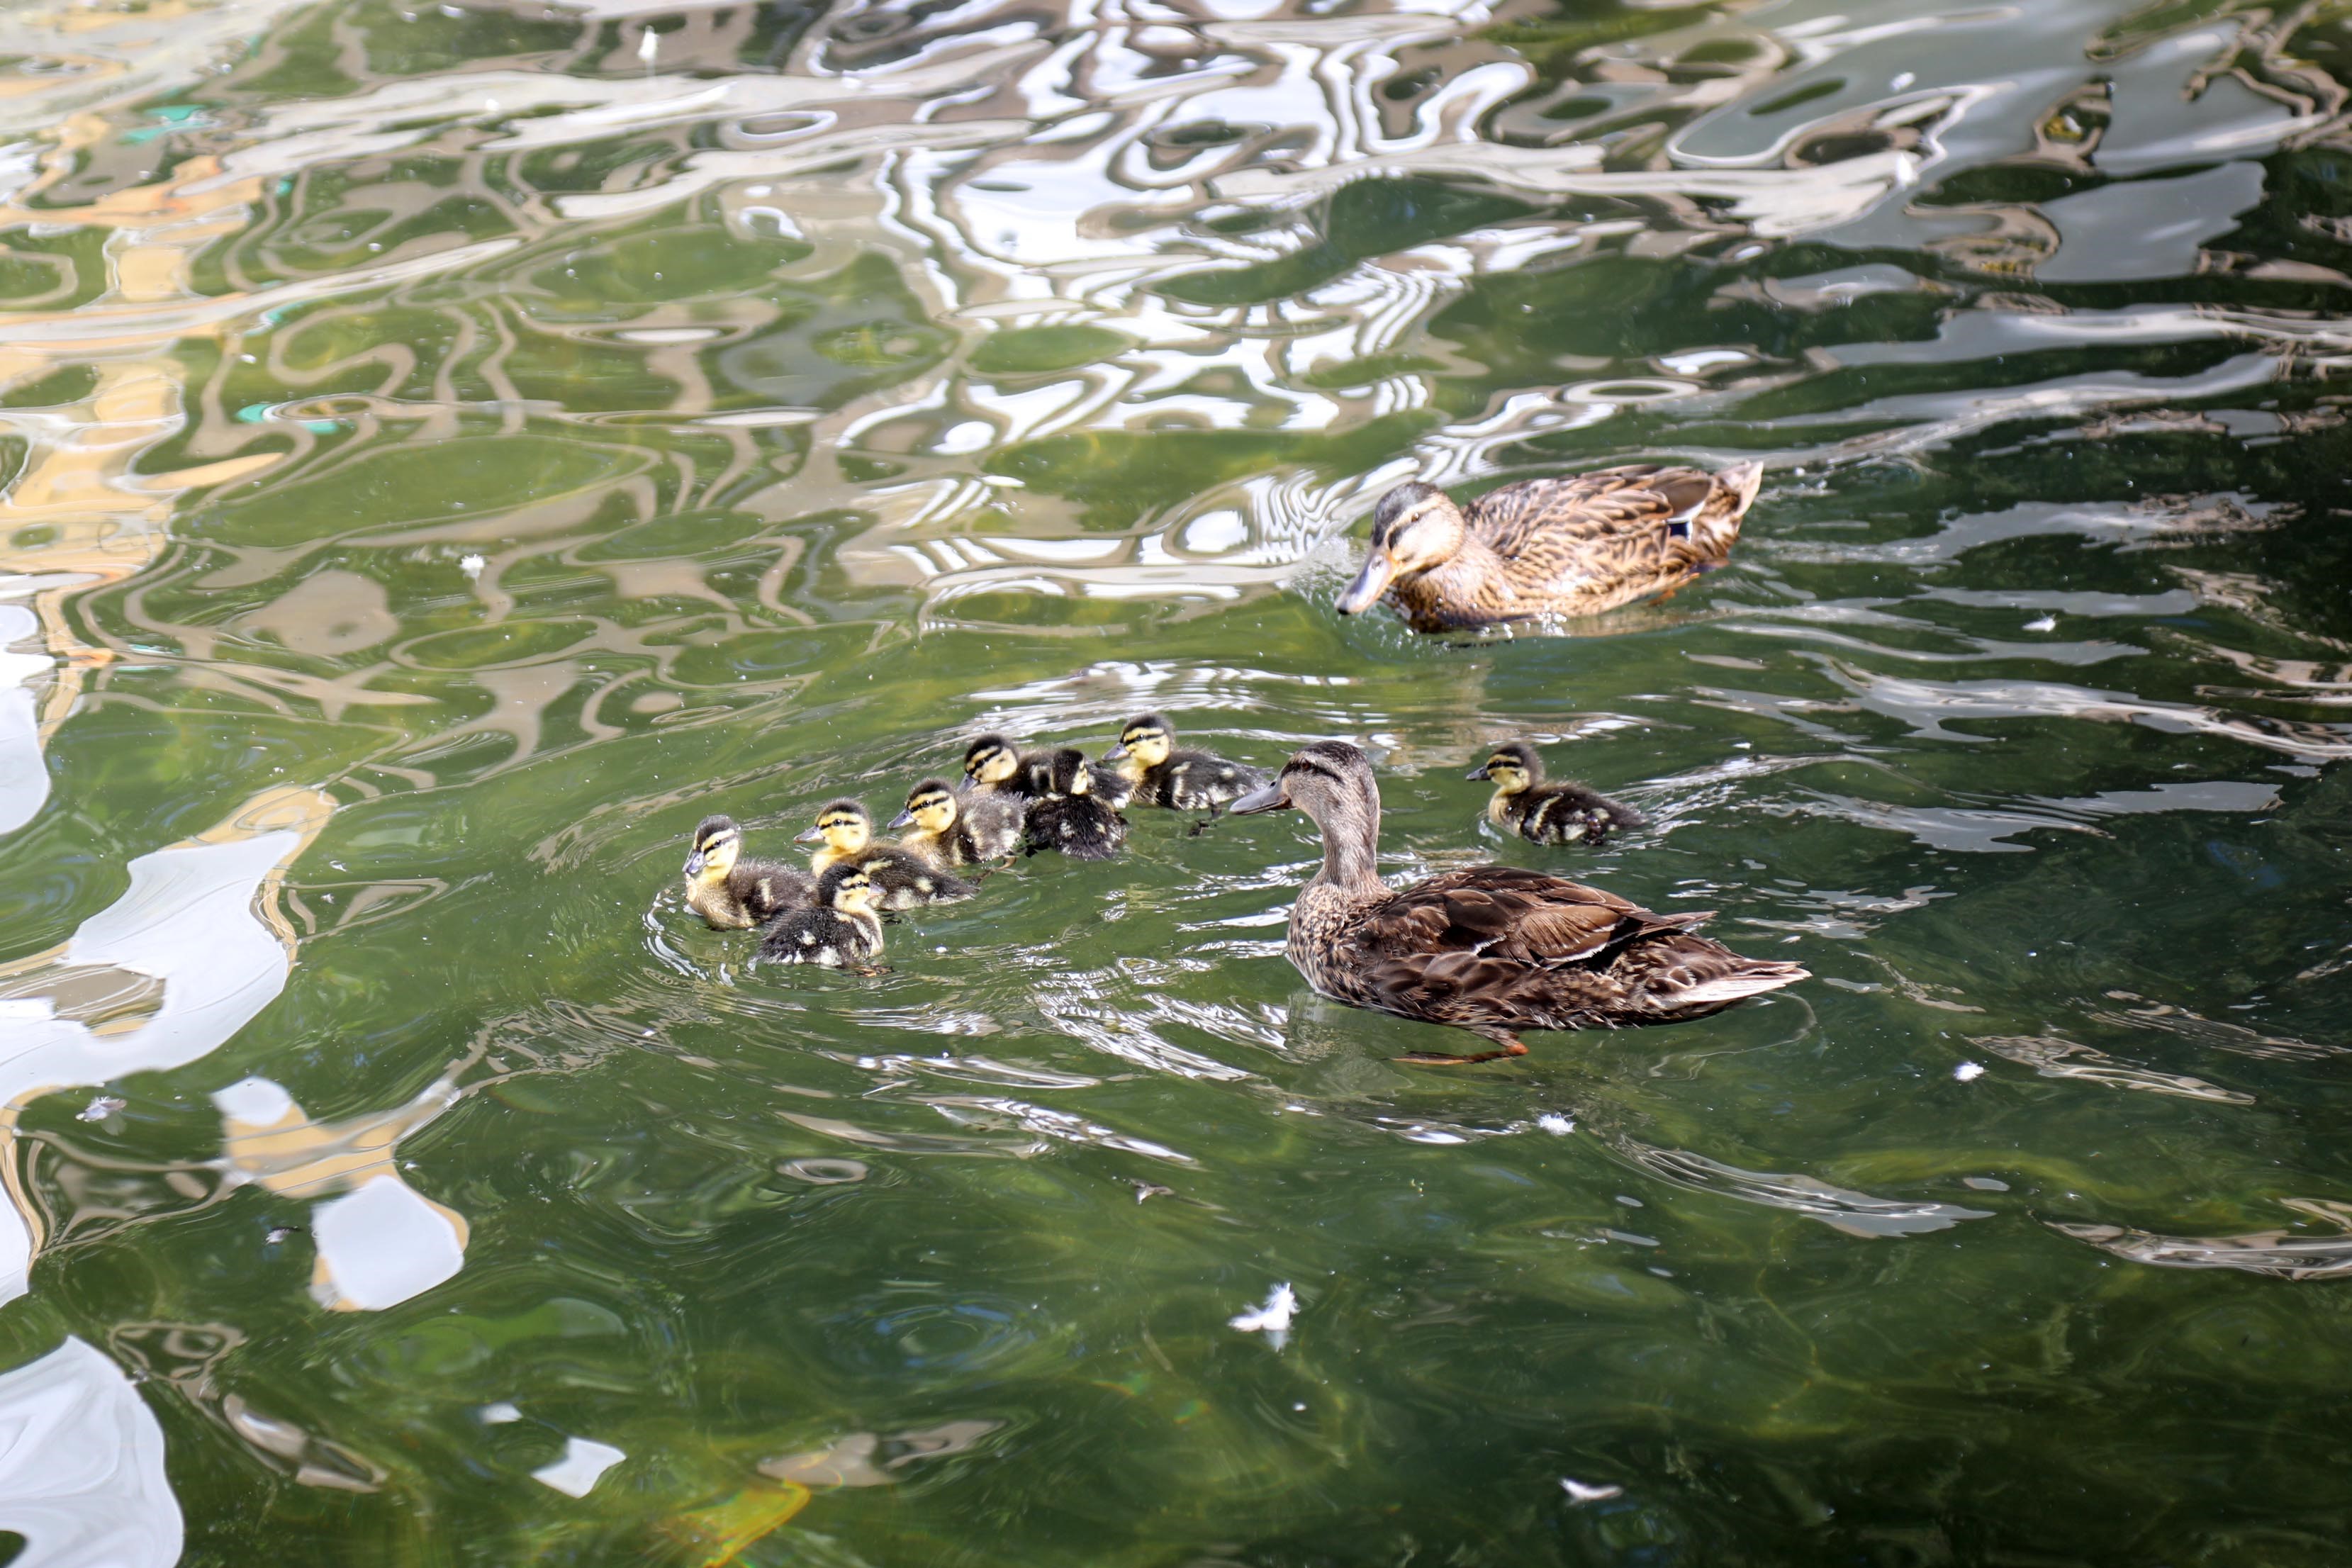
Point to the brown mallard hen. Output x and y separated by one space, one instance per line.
1564 813
730 892
1572 546
1493 949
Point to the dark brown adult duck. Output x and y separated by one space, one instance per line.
1572 546
1540 813
1493 949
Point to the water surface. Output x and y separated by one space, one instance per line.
450 449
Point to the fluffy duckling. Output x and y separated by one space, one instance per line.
901 877
729 892
1547 813
1147 757
999 783
838 930
947 835
1070 818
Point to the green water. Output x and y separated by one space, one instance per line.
451 450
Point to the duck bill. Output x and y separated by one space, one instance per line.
1273 798
1116 754
904 819
695 863
1477 772
1370 583
808 836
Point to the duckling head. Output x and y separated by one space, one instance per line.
846 887
1415 529
991 760
1513 766
844 826
930 807
1144 741
717 841
1066 772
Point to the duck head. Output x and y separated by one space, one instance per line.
1513 766
1330 782
1066 772
844 826
846 887
1144 743
989 760
930 807
1415 529
715 843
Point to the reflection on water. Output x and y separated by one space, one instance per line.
446 449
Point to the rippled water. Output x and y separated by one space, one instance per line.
450 448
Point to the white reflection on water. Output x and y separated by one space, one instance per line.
81 1467
184 959
380 1243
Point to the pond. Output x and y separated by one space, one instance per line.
451 448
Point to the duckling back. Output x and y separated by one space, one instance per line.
1078 825
816 934
1564 814
903 880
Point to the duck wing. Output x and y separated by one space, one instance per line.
1640 520
1498 947
1507 913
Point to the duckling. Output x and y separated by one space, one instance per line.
1161 775
1070 818
1547 813
1549 547
947 834
901 877
1492 949
838 930
999 783
729 892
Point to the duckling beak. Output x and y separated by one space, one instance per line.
903 819
1478 773
1116 754
808 836
695 862
1370 583
1273 798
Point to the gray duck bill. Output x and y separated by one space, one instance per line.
1271 798
1370 583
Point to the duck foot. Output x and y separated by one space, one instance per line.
1509 1046
1202 827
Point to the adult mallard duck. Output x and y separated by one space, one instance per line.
729 892
1547 813
1493 949
1549 547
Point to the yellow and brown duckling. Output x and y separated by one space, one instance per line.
1072 818
1147 756
1572 546
730 892
1540 813
999 783
948 835
839 930
901 879
1492 949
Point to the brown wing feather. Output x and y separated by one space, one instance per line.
1601 538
